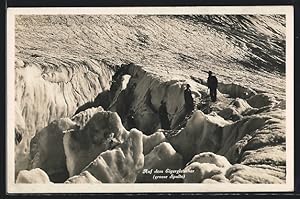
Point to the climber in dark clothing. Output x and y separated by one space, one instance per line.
189 101
163 116
131 120
212 84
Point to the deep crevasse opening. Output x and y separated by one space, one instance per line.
228 129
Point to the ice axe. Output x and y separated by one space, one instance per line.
205 71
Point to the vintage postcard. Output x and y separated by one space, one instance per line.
150 99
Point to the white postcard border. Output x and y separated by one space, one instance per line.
12 187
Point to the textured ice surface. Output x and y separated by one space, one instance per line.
33 176
121 164
162 157
65 64
84 177
102 132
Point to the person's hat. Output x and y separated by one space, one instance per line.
209 72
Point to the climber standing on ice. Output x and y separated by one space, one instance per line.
188 98
212 84
163 116
131 120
